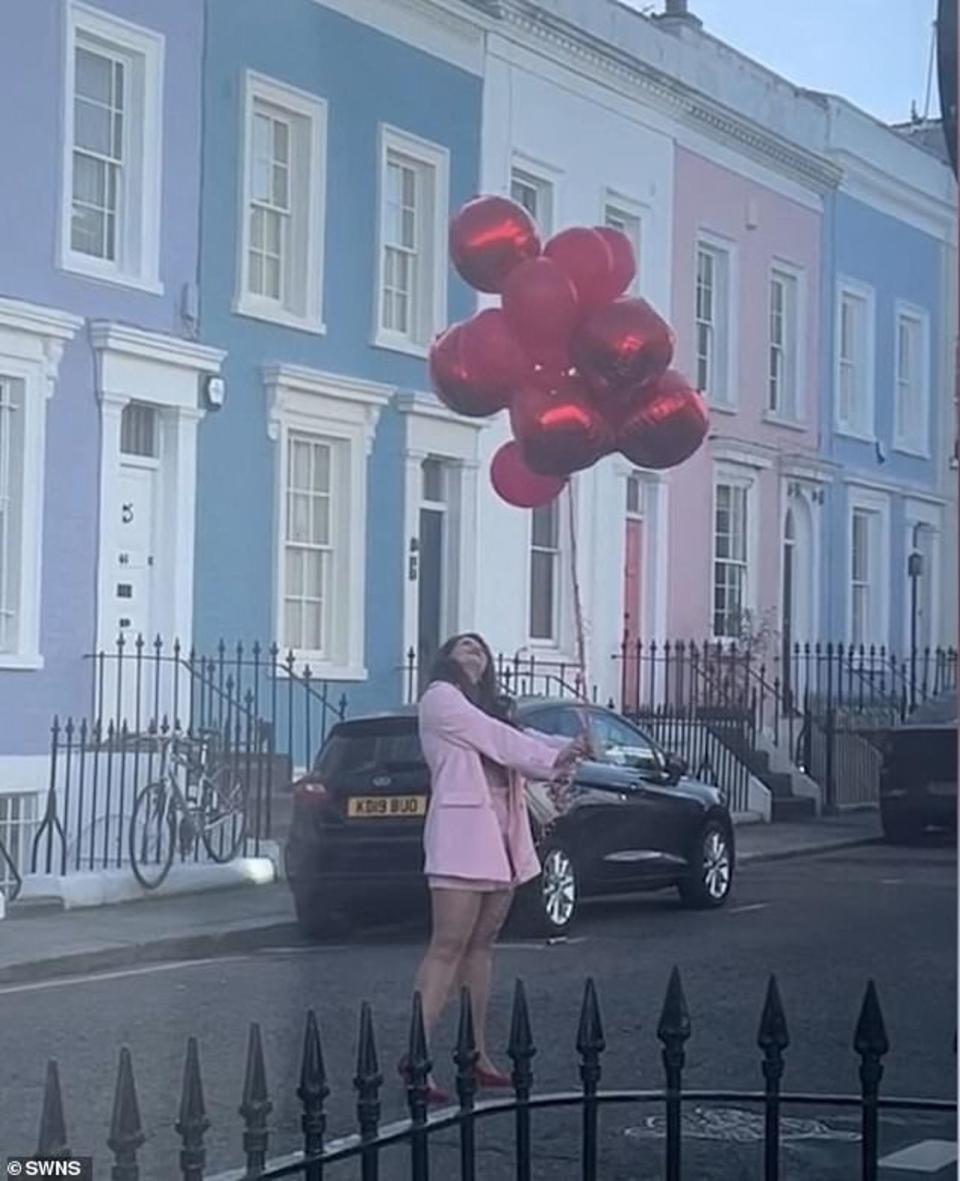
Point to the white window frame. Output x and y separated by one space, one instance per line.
138 231
864 427
432 266
344 412
553 641
300 307
917 444
744 478
32 339
724 251
546 181
630 211
877 505
789 415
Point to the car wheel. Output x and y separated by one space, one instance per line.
546 908
316 917
711 878
902 829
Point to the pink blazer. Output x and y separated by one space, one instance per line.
462 837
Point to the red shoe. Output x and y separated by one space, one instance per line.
493 1080
435 1096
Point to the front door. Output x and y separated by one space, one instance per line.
632 593
430 592
787 608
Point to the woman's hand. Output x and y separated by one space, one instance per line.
578 750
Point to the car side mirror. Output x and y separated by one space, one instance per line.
675 768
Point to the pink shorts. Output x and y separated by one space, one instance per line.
499 797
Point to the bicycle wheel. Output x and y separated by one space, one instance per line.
223 814
153 833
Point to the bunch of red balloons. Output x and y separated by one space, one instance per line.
583 370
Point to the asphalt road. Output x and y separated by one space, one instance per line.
824 924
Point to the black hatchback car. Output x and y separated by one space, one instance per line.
633 821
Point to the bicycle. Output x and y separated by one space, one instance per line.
188 801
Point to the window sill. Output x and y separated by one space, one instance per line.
20 662
397 344
74 264
268 314
789 424
721 408
913 450
848 432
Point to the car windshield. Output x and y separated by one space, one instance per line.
361 750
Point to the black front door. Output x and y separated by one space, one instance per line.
787 619
430 591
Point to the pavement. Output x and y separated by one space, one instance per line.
38 943
825 923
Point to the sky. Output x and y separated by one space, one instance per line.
875 53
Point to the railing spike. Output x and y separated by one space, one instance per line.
255 1106
368 1079
313 1090
773 1034
590 1038
870 1038
192 1124
465 1056
674 1024
520 1048
52 1140
126 1131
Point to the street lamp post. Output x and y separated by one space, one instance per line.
914 573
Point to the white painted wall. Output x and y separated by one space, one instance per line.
570 126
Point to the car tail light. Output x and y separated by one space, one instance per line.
311 791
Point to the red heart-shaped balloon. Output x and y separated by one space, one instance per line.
587 260
489 237
560 434
540 303
476 366
622 344
515 483
624 268
666 424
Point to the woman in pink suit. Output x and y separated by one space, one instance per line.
477 839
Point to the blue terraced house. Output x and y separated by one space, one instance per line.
889 316
334 493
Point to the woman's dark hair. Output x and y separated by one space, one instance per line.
486 693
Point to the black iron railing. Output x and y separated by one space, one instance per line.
188 1122
96 774
139 682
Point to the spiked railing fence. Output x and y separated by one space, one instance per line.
127 1135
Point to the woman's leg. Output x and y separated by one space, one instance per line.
476 965
455 914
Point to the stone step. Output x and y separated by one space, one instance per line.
792 808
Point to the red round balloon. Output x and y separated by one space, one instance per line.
540 304
622 344
489 237
624 268
563 434
587 260
666 426
475 366
515 483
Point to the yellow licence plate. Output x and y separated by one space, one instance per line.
396 807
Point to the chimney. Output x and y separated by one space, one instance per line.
676 15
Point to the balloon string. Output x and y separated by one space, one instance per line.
577 601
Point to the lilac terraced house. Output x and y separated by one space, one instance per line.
101 375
